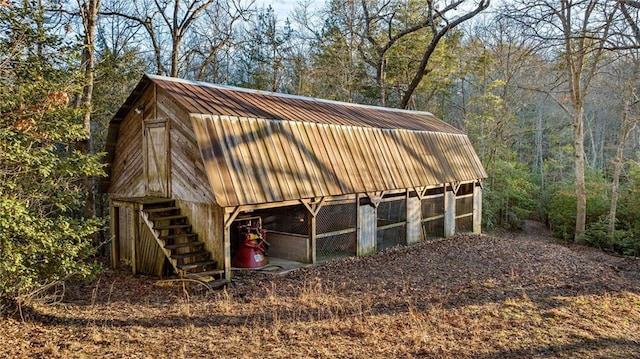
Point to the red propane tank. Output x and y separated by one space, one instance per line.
252 250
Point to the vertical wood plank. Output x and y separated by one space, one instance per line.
477 209
312 236
413 220
449 212
366 230
135 218
114 224
227 250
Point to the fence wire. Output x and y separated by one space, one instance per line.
390 213
336 218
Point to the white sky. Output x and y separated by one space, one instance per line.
283 8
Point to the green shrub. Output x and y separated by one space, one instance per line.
561 210
509 196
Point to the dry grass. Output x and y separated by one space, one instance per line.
466 297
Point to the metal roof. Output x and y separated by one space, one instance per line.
261 147
205 98
253 160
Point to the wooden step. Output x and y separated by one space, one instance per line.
194 244
161 209
167 218
199 264
172 226
152 201
189 254
210 273
171 237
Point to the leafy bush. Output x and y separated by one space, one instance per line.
561 210
509 196
42 238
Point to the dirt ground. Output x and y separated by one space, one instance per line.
498 295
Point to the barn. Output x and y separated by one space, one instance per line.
189 163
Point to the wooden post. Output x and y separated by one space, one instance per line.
414 214
227 252
114 213
367 215
477 209
312 235
449 212
134 238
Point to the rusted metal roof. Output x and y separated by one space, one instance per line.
204 98
253 160
261 147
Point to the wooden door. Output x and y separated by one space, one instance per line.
156 149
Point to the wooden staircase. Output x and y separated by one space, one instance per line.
180 244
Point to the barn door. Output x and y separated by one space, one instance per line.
156 151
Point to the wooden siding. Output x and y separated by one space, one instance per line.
149 256
252 161
127 168
207 221
189 180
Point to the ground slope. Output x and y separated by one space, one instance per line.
492 296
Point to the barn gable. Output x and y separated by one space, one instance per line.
220 153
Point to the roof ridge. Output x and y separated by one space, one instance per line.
283 95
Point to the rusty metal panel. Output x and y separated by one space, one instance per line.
204 98
252 161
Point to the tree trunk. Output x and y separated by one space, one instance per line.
618 164
89 13
581 193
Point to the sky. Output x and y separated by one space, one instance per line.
283 8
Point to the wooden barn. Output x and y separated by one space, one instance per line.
188 161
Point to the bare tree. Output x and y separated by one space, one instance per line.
440 20
168 22
577 32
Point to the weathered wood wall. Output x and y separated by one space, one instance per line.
189 180
149 257
127 174
207 221
289 246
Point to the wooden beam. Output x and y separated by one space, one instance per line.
313 205
375 197
230 217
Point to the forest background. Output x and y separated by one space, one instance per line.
547 91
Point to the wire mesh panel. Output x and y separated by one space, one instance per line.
432 207
390 237
464 205
292 219
337 217
464 208
336 230
433 228
464 224
341 245
392 225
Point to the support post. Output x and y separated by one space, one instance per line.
312 236
135 238
413 219
367 215
114 213
449 212
227 252
477 208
